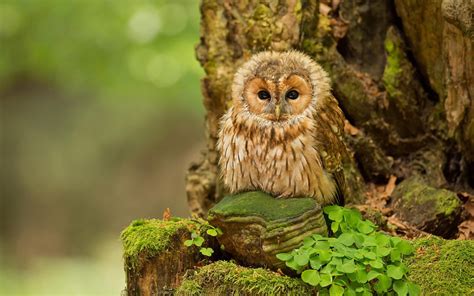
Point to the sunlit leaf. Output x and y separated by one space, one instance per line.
311 277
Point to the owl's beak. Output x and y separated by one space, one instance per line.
277 111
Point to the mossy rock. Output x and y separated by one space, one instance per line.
430 209
256 226
227 278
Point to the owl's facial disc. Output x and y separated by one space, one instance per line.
278 99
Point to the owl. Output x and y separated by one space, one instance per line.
284 132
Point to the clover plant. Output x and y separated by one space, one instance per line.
358 260
197 239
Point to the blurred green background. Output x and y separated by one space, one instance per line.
100 116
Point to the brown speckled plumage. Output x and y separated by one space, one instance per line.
295 153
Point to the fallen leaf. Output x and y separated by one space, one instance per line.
390 185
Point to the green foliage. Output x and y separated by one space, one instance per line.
126 49
198 240
358 260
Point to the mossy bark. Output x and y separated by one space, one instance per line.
155 257
402 73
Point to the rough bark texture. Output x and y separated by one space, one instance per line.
402 71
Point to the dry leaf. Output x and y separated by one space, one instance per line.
390 185
167 214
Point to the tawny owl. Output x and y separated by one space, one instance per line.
283 133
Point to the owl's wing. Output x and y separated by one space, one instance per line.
330 142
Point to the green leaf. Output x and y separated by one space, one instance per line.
336 261
336 290
315 263
324 255
326 279
349 292
198 240
352 217
395 272
372 275
322 245
413 289
347 267
212 232
382 239
405 247
370 241
369 254
401 287
292 264
346 239
395 255
335 213
327 269
206 251
284 256
188 243
361 276
318 237
358 254
383 284
323 292
395 240
219 231
382 251
334 226
302 259
308 241
376 263
365 227
359 239
311 277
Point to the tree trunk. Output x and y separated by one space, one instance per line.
402 72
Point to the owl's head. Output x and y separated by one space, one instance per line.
279 86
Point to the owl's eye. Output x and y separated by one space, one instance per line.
263 95
292 95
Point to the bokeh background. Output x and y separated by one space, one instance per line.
100 116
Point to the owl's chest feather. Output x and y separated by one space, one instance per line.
279 161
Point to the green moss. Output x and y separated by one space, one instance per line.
416 193
146 238
392 69
226 278
256 203
443 267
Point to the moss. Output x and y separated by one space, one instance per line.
417 193
226 278
392 69
256 203
443 267
147 238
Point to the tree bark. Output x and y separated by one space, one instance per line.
402 72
